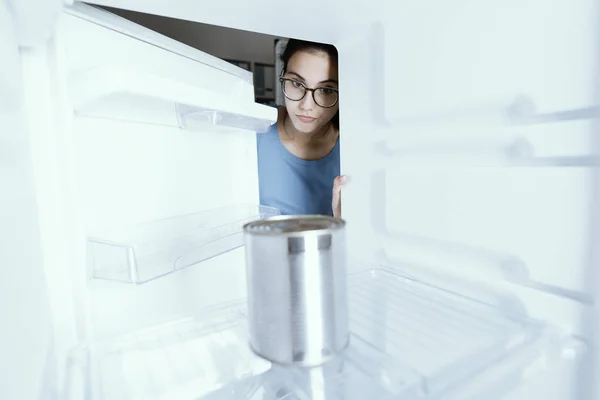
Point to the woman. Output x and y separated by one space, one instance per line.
299 158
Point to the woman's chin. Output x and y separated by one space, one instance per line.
304 127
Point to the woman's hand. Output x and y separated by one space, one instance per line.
336 200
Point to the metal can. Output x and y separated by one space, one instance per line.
297 288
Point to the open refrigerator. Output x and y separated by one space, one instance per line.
128 160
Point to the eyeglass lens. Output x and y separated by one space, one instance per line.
323 96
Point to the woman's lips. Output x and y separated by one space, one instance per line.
304 118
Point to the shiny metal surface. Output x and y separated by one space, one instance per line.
297 295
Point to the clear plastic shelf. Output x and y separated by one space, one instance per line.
196 118
149 250
115 92
409 340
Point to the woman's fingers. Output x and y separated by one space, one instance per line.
336 200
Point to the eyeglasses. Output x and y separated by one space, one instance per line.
294 90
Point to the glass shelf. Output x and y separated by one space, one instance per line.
149 250
409 341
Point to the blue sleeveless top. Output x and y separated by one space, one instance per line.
291 184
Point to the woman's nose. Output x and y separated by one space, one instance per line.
307 103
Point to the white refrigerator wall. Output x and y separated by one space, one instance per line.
29 368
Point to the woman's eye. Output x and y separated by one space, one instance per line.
327 90
296 84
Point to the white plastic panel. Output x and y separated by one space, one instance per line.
30 365
132 172
474 58
333 17
34 21
131 90
493 215
494 185
456 144
135 164
88 27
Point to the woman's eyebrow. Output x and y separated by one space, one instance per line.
330 81
297 75
302 78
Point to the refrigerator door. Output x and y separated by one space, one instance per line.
28 369
166 144
112 124
145 157
130 80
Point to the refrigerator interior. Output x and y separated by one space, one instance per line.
450 296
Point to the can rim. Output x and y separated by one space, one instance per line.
261 226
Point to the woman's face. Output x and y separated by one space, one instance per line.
313 69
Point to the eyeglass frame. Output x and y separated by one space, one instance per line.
307 89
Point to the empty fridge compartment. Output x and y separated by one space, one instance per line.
409 340
149 250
